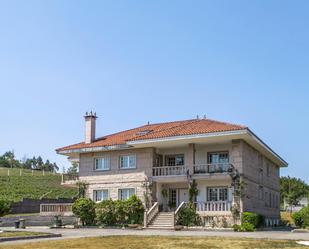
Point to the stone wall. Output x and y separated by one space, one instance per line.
262 183
144 162
33 205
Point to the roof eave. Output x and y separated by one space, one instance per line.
93 149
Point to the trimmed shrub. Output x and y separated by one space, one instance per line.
256 220
120 212
301 218
85 210
188 217
5 207
134 210
105 212
245 227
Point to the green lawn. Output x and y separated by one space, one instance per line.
10 234
157 242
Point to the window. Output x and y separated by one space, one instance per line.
217 194
261 193
172 196
127 162
268 169
100 195
218 157
125 193
266 199
101 163
175 160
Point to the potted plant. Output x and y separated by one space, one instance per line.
172 206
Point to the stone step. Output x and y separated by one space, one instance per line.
166 226
162 222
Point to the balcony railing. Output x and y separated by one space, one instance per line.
213 206
169 171
69 179
211 168
64 209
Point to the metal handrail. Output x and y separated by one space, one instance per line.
211 168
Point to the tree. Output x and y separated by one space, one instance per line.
40 163
193 192
73 169
8 160
4 207
85 210
55 167
292 190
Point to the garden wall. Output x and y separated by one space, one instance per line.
33 205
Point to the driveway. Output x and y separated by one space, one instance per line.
95 232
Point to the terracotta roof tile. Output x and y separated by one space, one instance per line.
159 130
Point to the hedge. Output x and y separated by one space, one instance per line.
254 219
301 218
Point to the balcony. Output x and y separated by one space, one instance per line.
213 206
69 179
211 168
169 171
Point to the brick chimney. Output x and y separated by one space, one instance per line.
90 119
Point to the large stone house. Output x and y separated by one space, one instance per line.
233 169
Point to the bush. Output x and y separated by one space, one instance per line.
134 210
4 207
254 219
188 217
85 210
120 212
245 227
105 212
301 218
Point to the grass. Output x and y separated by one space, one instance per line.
10 234
16 187
159 242
20 215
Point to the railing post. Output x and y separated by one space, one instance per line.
62 179
145 219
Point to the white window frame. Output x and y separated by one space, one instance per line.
218 193
106 161
127 189
127 162
95 195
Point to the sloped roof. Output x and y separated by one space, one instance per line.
159 130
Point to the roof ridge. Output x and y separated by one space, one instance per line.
221 122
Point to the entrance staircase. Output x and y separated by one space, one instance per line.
163 220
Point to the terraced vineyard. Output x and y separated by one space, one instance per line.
32 184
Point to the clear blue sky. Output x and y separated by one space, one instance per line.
244 62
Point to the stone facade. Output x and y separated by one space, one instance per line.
116 178
260 175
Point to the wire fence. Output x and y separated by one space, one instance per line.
25 172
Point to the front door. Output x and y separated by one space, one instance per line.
183 195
